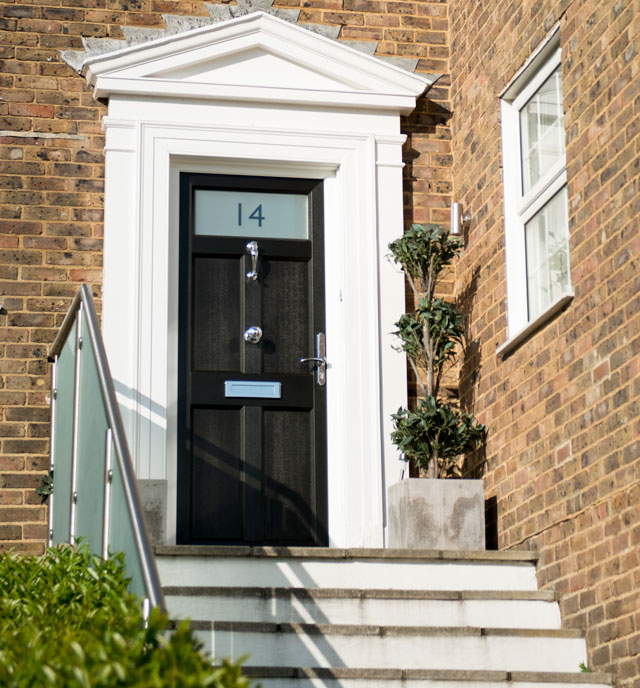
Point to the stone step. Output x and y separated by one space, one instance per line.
515 609
299 567
382 647
305 677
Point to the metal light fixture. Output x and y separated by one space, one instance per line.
459 221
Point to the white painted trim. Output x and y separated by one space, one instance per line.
107 86
362 201
324 55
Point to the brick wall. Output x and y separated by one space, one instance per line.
563 447
51 183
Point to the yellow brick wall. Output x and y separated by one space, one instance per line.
563 451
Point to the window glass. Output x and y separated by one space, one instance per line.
542 131
547 252
251 214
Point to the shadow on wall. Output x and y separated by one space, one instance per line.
474 463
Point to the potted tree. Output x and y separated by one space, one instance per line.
429 512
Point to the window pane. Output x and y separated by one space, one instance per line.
547 246
251 214
542 131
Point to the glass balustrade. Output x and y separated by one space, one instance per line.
94 496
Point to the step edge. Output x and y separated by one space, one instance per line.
220 551
378 630
434 674
360 593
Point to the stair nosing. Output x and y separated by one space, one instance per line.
378 630
434 674
223 551
362 593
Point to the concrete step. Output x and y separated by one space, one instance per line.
382 647
297 567
305 677
514 609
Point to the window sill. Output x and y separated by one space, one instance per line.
517 339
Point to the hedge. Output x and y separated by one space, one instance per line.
68 620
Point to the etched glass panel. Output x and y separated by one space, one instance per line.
251 214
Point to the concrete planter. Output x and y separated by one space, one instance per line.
437 514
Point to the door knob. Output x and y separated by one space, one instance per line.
253 335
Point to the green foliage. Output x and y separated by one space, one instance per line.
435 429
67 620
435 434
584 668
46 487
423 252
440 323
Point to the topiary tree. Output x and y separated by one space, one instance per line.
436 433
67 620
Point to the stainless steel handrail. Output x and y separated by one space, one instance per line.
84 300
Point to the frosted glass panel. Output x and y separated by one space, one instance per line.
547 245
251 214
65 376
121 536
542 131
92 426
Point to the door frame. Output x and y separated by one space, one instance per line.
364 291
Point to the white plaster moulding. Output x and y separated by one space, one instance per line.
153 68
257 132
107 86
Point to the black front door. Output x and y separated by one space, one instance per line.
252 417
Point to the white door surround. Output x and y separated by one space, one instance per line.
259 96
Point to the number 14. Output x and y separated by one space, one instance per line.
255 215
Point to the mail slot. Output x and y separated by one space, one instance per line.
255 389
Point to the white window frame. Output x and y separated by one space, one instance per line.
520 207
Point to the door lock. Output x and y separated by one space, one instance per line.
253 335
319 359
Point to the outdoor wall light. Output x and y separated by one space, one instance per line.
459 221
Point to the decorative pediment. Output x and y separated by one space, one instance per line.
257 57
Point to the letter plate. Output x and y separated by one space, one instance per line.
255 389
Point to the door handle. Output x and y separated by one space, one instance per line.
252 250
319 359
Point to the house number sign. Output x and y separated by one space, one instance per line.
251 214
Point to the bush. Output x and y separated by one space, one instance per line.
68 620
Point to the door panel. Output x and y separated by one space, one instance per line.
216 313
216 472
285 312
251 470
287 475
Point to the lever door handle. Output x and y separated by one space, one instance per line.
319 358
